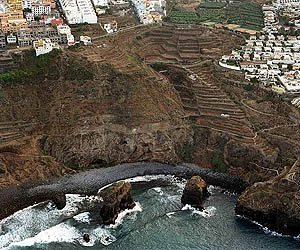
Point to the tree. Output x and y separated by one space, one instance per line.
286 20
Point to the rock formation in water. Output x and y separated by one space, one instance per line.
274 203
195 192
116 198
59 201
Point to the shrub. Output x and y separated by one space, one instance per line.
158 66
218 164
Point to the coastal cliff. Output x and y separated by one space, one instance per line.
99 106
274 203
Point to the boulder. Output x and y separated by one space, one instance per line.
59 200
116 198
86 237
195 192
274 204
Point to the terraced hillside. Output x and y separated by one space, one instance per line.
179 44
105 104
203 98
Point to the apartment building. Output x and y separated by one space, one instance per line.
39 9
2 40
44 46
79 11
26 37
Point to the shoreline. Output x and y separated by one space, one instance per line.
89 182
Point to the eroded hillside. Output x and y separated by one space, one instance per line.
149 94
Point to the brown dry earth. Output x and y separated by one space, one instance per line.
106 105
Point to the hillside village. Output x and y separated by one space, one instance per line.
273 56
46 24
270 55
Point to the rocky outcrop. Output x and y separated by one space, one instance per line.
116 198
195 192
274 203
241 155
59 201
110 144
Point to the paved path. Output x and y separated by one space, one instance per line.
257 111
123 30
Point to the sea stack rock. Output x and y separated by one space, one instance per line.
195 192
116 198
274 204
60 201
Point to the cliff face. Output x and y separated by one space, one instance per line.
116 198
195 192
274 203
102 105
87 114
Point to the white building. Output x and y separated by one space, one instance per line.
11 39
111 27
100 2
27 4
29 17
65 29
39 9
86 40
290 83
43 46
79 11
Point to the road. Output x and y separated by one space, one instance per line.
123 30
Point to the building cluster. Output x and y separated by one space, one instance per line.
44 46
36 23
150 11
18 14
110 27
78 11
273 57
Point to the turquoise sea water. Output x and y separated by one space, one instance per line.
159 221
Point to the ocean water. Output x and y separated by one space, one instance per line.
158 221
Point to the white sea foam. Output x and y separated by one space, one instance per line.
122 214
103 235
212 189
75 201
83 217
59 233
158 190
267 230
170 178
206 213
170 214
15 230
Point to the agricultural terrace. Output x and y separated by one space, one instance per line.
245 14
212 5
183 17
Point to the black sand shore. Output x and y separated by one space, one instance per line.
21 196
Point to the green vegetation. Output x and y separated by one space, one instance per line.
218 164
183 17
158 66
212 5
214 15
247 15
32 68
35 69
77 71
248 87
